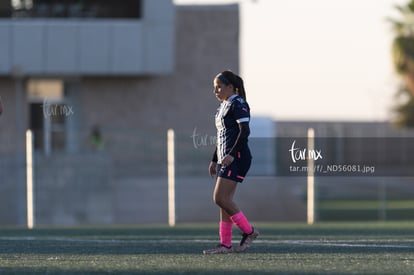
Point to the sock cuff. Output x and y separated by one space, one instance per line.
224 224
226 231
236 217
242 223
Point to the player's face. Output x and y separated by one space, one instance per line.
221 90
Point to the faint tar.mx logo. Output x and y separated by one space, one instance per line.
55 109
200 140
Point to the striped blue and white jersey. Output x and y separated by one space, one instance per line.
231 112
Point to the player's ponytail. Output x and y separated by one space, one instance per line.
240 87
236 81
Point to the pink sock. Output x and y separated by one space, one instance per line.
226 230
242 223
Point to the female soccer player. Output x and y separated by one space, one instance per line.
231 160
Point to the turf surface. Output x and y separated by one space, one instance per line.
327 248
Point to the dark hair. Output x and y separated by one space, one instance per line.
228 77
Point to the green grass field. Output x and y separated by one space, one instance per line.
326 248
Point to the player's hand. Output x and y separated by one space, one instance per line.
227 160
212 169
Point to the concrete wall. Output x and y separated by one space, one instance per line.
133 114
76 46
13 123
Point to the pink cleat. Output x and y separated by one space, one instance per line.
247 240
219 249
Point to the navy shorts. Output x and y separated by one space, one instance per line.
237 170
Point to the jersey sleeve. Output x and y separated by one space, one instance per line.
241 111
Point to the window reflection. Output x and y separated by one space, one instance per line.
71 8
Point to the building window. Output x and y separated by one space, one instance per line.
48 114
115 9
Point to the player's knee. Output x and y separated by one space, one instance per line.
219 200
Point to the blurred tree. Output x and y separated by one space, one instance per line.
403 58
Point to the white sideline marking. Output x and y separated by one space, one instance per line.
328 243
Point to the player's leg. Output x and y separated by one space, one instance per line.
229 212
223 195
226 228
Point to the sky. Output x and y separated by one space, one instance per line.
317 60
